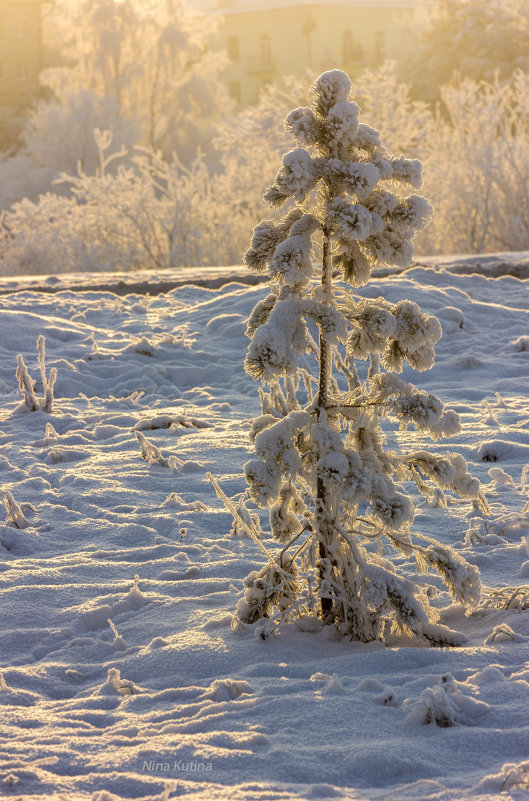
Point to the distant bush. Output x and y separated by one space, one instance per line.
477 168
152 214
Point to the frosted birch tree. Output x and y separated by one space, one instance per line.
478 39
322 466
145 65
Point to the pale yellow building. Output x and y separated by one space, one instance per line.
20 51
268 39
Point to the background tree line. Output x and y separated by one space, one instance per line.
173 174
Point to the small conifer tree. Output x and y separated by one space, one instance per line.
321 463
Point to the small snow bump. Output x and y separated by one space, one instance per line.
452 318
115 684
173 575
468 361
158 642
227 689
520 345
309 623
489 675
370 686
499 476
495 450
320 676
501 633
388 697
524 570
333 687
322 791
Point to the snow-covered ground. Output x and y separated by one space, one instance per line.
169 701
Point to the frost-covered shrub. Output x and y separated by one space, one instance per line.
149 451
248 144
27 384
58 133
149 63
146 213
445 705
321 465
386 101
477 160
142 69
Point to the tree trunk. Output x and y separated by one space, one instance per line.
322 516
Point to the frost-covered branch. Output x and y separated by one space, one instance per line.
15 513
27 384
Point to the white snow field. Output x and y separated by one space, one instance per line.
168 701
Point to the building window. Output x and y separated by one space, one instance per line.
348 46
352 52
265 51
235 91
23 27
233 48
380 46
25 70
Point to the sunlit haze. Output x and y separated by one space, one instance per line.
264 426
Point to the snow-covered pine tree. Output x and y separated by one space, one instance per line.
321 464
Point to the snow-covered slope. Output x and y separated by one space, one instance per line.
169 701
